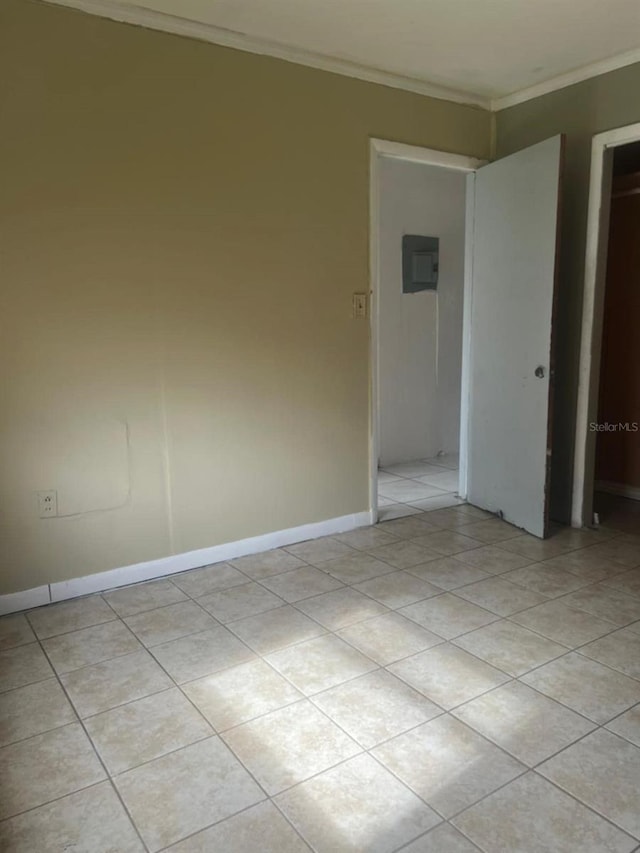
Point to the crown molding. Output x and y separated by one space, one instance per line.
594 69
131 14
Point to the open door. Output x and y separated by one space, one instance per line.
514 260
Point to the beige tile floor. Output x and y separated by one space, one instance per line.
440 683
409 488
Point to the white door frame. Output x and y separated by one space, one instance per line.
378 149
592 314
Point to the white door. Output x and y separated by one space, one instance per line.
515 242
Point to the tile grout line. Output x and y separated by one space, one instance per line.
425 835
219 735
544 779
310 698
409 571
497 746
93 747
5 820
525 769
328 630
111 777
377 668
590 808
368 751
550 782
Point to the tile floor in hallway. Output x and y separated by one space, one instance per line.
409 488
440 683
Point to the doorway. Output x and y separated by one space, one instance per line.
617 456
419 211
607 462
505 378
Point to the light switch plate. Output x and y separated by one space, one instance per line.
359 305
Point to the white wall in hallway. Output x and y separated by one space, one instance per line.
420 335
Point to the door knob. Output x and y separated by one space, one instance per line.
539 371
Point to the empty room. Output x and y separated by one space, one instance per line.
320 426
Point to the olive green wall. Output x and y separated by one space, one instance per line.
181 229
579 111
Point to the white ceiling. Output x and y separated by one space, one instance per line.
488 48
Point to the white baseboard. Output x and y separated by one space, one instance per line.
24 600
621 489
100 581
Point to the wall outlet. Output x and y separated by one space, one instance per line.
48 504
